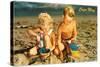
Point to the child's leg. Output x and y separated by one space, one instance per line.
61 56
67 48
56 51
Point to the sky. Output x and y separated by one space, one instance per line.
33 9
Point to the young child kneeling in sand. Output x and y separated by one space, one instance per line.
44 34
67 32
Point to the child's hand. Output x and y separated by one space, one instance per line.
41 31
69 41
38 38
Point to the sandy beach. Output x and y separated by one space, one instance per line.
86 38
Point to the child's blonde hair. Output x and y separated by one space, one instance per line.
45 18
69 11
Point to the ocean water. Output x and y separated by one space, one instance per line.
34 9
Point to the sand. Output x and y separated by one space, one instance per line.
87 39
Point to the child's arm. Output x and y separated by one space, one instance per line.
34 33
53 41
74 32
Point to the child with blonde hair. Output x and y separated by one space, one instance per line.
67 32
44 34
